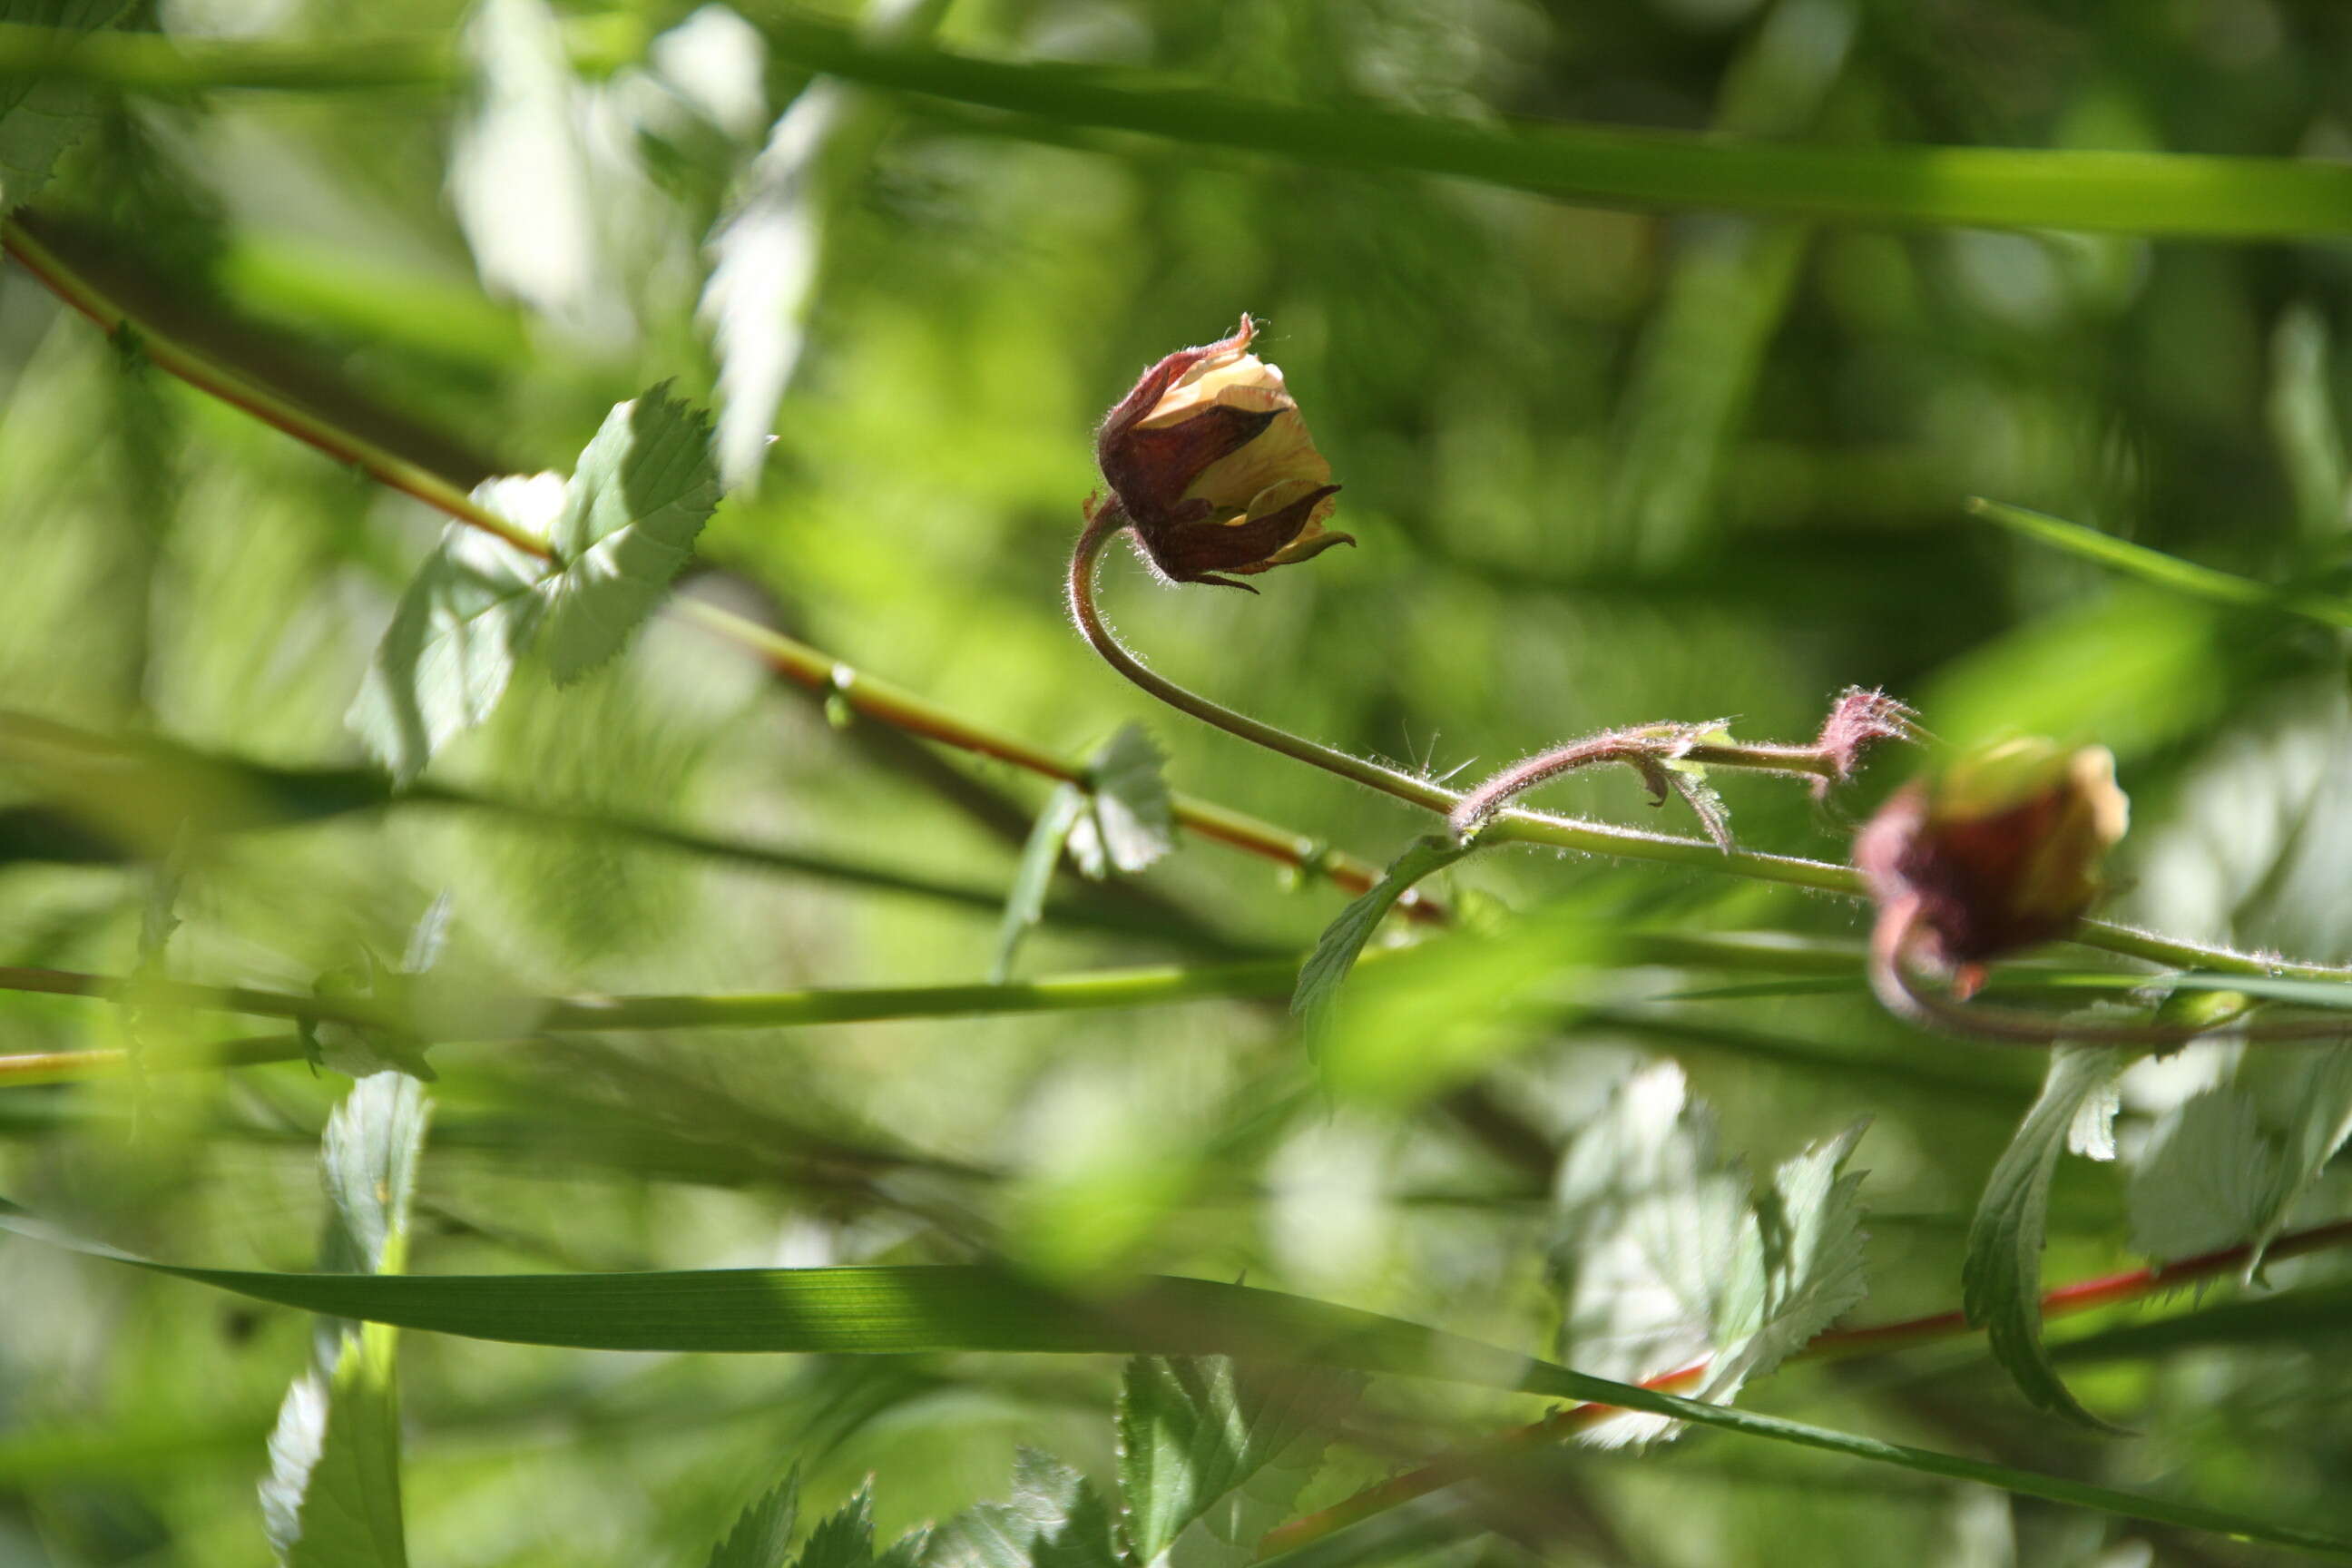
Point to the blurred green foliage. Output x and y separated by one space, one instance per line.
1605 467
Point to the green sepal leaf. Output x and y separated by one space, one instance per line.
761 1536
2001 1280
1342 941
643 489
1055 1519
1129 821
1024 905
1213 1453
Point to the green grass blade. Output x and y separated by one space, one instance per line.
2155 566
881 1310
2132 193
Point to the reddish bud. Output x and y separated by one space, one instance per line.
1212 467
1999 852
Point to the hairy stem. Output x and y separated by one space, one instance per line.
1084 563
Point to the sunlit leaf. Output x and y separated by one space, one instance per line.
619 530
2320 1125
450 650
368 1162
517 176
644 487
1664 1260
845 1539
2228 1166
1212 1452
1055 1519
761 1536
332 1494
2001 1281
765 253
1129 820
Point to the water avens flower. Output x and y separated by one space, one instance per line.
2000 851
1211 469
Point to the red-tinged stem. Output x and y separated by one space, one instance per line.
790 661
2064 1300
1460 1466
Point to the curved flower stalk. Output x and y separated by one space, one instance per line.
1213 475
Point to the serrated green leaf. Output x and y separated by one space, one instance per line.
332 1494
844 1537
1663 1259
2001 1280
368 1164
1055 1519
643 489
451 649
1798 1269
41 116
2230 1164
331 1499
2321 1124
1130 817
1343 940
2209 1178
1024 904
620 530
1213 1453
761 1536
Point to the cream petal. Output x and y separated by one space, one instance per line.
1283 453
1240 381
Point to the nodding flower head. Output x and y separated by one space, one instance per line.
1999 852
1211 467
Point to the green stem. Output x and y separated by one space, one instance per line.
806 667
791 660
1084 561
153 63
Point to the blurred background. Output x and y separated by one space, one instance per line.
1603 468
